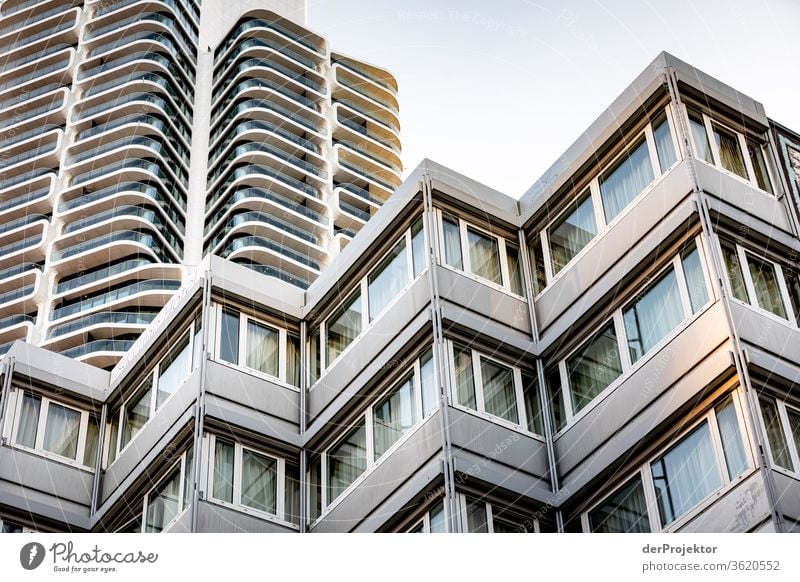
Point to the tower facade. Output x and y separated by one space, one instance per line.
137 136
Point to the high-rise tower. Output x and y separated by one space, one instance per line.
137 136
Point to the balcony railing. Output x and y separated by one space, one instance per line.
251 104
277 273
119 294
266 148
261 242
69 283
260 217
107 317
262 43
250 170
257 125
258 23
146 214
151 192
263 194
101 345
121 236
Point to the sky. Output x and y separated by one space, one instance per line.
499 89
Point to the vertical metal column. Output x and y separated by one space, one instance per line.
200 405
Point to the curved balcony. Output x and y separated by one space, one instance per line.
254 174
276 273
61 27
36 132
36 199
34 66
258 67
29 158
129 218
27 270
370 72
159 291
251 152
366 88
29 248
253 86
254 131
367 129
257 249
34 176
138 81
361 166
189 20
298 38
111 320
22 24
253 44
48 109
10 7
261 109
140 124
376 114
136 267
101 353
19 300
116 245
92 36
375 155
15 327
128 167
135 102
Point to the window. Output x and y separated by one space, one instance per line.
432 522
168 499
12 527
258 346
252 480
649 154
55 429
478 516
762 283
491 387
473 250
706 458
674 294
386 281
727 150
156 388
782 423
382 425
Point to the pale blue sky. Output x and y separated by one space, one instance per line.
499 89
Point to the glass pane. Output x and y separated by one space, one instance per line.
388 279
794 425
188 478
730 152
505 527
113 437
533 408
572 232
452 242
465 381
430 390
314 363
793 287
695 280
61 431
515 270
730 433
418 251
654 315
315 489
347 462
775 434
734 269
197 341
765 282
558 414
292 494
259 481
222 488
29 420
229 337
293 360
394 416
701 143
92 441
594 366
537 262
137 413
626 180
162 504
9 527
262 348
437 519
172 370
499 396
686 475
624 512
476 517
756 153
343 327
664 145
484 256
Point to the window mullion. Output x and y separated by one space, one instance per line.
719 450
548 267
364 305
409 256
370 433
597 204
476 374
650 498
748 163
683 287
282 354
673 129
712 140
489 518
464 240
82 434
504 274
652 150
622 342
748 280
323 348
418 390
237 474
518 392
44 406
280 502
784 290
705 256
242 355
788 435
323 481
565 390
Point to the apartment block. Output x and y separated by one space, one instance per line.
617 351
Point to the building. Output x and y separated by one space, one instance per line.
137 136
616 351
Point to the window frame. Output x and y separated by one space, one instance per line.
593 186
280 515
41 426
463 499
241 355
741 138
617 320
782 407
362 287
153 377
643 470
463 227
742 252
366 418
477 377
181 464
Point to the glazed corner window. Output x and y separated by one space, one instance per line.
254 480
703 460
731 150
168 499
45 425
259 346
503 391
625 180
761 283
481 253
781 420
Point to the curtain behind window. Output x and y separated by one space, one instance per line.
765 282
222 488
730 153
162 504
484 256
259 482
775 435
623 183
61 432
347 462
499 397
388 280
652 317
573 232
262 348
624 512
28 420
394 416
593 367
